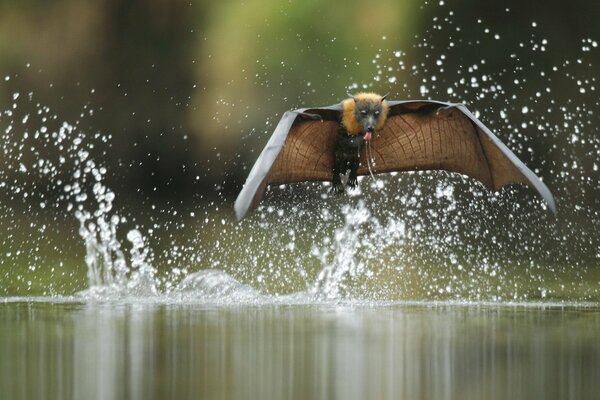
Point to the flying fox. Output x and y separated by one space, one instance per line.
362 115
368 134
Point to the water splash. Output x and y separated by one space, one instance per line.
216 286
74 183
356 245
347 242
412 236
110 270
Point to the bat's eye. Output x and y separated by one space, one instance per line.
376 113
363 112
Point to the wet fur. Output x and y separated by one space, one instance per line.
352 129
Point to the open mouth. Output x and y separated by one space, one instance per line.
368 135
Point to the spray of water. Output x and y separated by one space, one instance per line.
61 158
405 236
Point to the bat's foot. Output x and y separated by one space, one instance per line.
337 188
352 182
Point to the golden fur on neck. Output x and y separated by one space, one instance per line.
349 121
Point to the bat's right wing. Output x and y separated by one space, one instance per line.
300 149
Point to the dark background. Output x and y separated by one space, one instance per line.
185 88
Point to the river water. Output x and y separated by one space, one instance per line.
66 349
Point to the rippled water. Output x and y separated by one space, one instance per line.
73 350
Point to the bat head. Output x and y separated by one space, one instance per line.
364 114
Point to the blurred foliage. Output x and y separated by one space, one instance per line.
129 61
185 88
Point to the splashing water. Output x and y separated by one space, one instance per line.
110 271
216 286
361 233
347 242
423 235
62 157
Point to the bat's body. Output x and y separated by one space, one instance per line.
346 157
361 116
320 144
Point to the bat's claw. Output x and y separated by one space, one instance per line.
352 182
337 188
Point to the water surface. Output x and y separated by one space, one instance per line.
73 350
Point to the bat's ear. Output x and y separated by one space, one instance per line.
384 96
352 96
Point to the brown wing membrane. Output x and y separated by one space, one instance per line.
432 139
425 135
307 154
418 135
300 149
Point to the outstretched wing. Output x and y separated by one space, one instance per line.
300 149
428 135
418 135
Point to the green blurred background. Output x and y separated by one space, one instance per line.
189 92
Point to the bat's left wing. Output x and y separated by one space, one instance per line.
432 135
300 149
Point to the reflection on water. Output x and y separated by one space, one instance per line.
145 351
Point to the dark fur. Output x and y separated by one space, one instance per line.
367 113
346 157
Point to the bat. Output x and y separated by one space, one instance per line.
367 134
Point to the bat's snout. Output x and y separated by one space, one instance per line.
369 131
